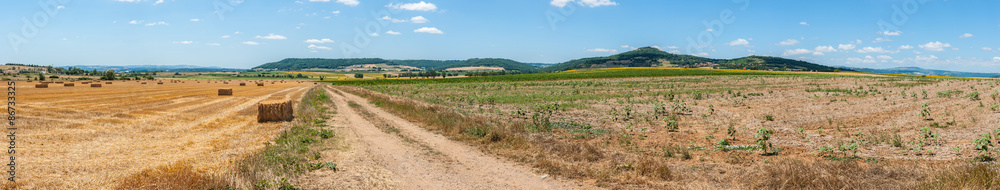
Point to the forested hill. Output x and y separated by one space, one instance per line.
317 63
652 57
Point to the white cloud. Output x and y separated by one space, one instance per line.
788 42
349 2
966 35
874 50
315 47
884 57
672 47
588 3
896 33
847 46
905 47
429 30
825 49
877 40
195 20
319 41
336 12
185 42
156 23
738 42
421 6
60 7
392 32
253 43
804 23
419 19
134 22
225 36
997 59
158 2
795 52
987 49
272 37
603 50
213 44
674 51
935 46
925 58
374 35
392 19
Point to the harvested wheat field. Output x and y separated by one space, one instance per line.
99 138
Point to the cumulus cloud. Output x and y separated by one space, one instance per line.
795 52
315 47
935 46
185 42
429 30
966 35
738 42
319 41
272 37
392 32
349 2
874 50
392 19
804 23
421 6
888 33
847 46
195 20
884 57
997 59
419 19
213 44
788 42
877 40
587 3
253 43
602 50
825 49
155 23
905 47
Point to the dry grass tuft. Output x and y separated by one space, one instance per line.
179 175
274 111
107 82
226 92
973 176
823 174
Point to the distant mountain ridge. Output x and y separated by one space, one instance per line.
922 71
653 57
158 68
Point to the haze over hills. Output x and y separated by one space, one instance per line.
318 63
158 68
921 71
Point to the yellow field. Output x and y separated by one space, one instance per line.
85 138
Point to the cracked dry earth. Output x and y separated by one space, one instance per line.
379 150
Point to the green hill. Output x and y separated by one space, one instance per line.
652 57
311 63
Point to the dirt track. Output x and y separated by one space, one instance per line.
412 158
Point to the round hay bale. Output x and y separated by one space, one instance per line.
59 82
243 84
143 83
107 82
95 85
280 110
161 82
42 85
260 84
225 82
84 82
69 84
225 92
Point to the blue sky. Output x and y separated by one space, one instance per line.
937 34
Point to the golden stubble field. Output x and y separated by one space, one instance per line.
86 137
